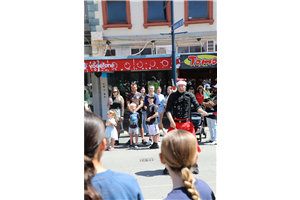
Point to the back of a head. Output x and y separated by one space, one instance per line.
94 132
179 151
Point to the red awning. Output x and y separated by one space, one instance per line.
109 65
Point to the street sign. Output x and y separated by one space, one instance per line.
178 24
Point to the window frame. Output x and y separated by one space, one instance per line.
148 23
106 24
209 19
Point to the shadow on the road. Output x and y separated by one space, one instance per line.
123 146
158 172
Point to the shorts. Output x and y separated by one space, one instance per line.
152 129
160 110
133 130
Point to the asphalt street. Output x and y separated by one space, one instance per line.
144 164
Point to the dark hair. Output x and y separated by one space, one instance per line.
94 132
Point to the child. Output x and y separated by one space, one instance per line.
99 182
133 125
111 131
178 154
151 122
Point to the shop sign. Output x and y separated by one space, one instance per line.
196 61
128 64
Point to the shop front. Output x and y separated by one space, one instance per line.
106 72
199 67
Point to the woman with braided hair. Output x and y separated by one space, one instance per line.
178 154
101 183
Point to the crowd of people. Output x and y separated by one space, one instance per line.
179 147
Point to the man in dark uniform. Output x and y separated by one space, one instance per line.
180 101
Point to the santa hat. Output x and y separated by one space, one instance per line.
181 81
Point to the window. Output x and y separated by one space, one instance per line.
160 11
116 14
157 13
197 12
146 51
197 9
110 52
195 49
183 49
189 49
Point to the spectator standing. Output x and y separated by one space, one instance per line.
138 99
86 98
145 127
191 89
200 95
151 121
99 182
169 91
211 120
111 131
160 110
178 154
134 117
146 103
206 92
116 102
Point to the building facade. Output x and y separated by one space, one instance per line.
140 29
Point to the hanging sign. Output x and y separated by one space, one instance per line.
196 61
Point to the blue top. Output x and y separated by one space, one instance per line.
181 193
116 185
161 103
134 118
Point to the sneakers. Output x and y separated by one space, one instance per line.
128 142
163 132
148 143
154 146
133 146
210 140
158 143
214 143
111 149
144 142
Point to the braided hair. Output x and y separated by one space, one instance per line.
94 133
179 150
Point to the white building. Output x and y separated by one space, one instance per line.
124 28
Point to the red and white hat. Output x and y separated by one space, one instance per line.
181 81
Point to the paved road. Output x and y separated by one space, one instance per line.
144 164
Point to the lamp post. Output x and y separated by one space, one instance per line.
174 72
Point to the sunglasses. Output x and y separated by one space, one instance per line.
115 91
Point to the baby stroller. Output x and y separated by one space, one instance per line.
198 122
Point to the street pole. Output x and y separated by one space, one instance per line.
174 73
